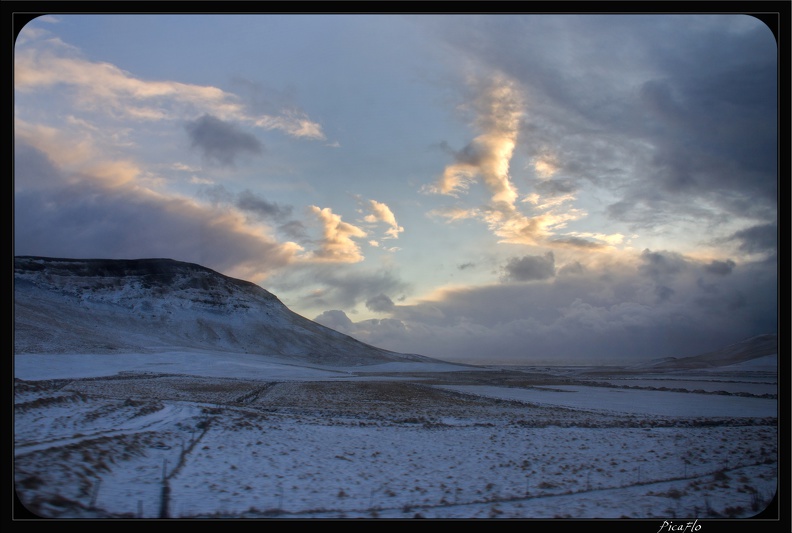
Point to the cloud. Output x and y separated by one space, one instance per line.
33 169
336 244
83 216
380 303
517 228
684 133
45 63
75 210
611 311
661 265
455 213
465 266
576 242
221 141
720 268
250 202
498 109
184 167
107 88
663 268
318 286
346 289
335 319
762 238
294 229
530 268
75 154
557 187
382 213
295 123
276 109
376 331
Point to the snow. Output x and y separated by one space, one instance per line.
181 421
214 364
767 363
754 386
246 436
677 404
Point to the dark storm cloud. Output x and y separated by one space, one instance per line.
661 265
95 222
221 141
758 239
666 110
663 293
596 314
530 268
80 217
380 303
720 268
712 121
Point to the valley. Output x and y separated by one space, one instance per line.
384 441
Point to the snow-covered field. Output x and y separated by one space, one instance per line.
216 435
640 402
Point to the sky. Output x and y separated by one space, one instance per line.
476 188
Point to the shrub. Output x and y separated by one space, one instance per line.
720 475
733 512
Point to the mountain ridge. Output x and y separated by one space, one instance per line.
67 305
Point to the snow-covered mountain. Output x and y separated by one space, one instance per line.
149 305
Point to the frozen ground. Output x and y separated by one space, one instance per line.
205 435
640 402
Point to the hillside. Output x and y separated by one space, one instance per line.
150 305
739 352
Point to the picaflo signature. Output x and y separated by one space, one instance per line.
679 527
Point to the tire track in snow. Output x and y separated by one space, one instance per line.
168 415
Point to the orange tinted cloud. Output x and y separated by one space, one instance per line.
337 244
380 212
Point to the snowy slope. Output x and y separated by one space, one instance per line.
153 305
733 354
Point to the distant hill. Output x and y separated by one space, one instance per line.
106 306
739 352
